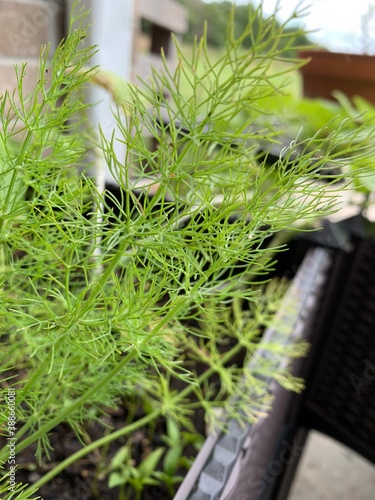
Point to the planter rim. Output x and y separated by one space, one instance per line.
217 466
329 54
339 70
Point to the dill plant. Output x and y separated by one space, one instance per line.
103 298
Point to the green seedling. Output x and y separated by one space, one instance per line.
99 305
124 472
174 458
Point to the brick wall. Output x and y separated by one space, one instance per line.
25 25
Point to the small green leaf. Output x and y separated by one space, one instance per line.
171 460
117 479
367 182
148 465
150 481
173 430
121 457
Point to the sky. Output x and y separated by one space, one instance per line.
340 22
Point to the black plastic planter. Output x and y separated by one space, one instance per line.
330 304
333 297
240 457
339 400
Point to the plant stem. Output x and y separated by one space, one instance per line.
81 310
151 417
64 413
91 447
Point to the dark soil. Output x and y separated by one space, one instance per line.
87 479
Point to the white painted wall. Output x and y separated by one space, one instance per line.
111 29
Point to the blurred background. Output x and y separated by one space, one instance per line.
328 470
350 30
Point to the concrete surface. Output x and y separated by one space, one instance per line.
330 471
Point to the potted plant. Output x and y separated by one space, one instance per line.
328 300
145 306
351 73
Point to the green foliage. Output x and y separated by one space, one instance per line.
216 14
98 306
124 472
131 477
319 118
175 457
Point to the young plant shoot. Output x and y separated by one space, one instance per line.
154 297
